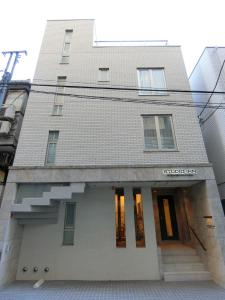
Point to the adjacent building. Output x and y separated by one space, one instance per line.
11 117
111 180
209 75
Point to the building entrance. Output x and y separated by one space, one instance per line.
173 214
167 218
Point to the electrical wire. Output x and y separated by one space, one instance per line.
132 100
143 100
124 88
210 115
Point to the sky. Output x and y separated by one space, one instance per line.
193 24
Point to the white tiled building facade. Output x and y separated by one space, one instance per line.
108 183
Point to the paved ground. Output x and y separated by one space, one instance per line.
141 290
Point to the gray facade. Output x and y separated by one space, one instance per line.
123 159
209 75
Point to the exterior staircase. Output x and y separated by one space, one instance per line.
183 264
44 210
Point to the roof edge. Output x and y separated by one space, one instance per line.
70 20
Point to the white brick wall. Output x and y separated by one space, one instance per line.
95 132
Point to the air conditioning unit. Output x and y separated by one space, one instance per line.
5 127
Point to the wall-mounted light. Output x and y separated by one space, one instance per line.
209 221
46 269
35 269
25 269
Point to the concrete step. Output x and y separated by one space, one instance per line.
35 215
184 267
31 208
72 188
37 221
37 201
21 208
170 259
179 251
60 195
187 276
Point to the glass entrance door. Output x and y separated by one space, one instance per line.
167 217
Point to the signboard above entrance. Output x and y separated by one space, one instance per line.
179 172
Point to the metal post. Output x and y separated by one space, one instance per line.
7 75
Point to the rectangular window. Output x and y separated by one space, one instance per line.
120 219
59 99
65 59
139 218
51 147
103 74
69 224
158 132
151 78
66 46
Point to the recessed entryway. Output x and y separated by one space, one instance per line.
167 218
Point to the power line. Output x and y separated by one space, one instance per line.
210 115
127 89
132 100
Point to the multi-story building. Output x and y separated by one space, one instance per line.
12 111
111 179
209 75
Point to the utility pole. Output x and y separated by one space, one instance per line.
8 72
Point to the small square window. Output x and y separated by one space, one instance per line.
57 110
65 59
103 74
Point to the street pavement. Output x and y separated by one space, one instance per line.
113 290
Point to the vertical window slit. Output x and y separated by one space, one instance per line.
69 224
51 147
139 218
120 219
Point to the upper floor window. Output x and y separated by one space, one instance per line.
103 74
151 78
159 133
59 97
66 46
51 147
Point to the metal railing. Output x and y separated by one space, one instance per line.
197 238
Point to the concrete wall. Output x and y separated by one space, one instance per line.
10 237
206 202
94 255
100 132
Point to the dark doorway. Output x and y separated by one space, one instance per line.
167 217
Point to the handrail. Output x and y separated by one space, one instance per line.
198 239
